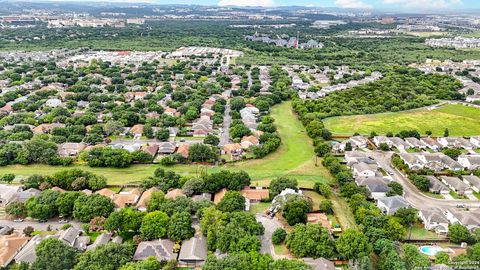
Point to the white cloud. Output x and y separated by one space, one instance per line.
247 3
352 4
425 4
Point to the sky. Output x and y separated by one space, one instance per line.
393 5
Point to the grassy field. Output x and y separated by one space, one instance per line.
294 158
460 120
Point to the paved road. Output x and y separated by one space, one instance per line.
411 193
54 224
227 119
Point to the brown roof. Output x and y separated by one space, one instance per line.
106 192
150 149
126 198
183 150
142 202
254 194
174 193
61 190
137 129
9 247
252 139
43 128
228 148
219 195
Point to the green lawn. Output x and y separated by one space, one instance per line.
295 158
460 120
418 232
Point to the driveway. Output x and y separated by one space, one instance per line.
411 193
270 225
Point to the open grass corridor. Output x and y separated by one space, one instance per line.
295 158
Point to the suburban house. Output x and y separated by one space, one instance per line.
436 186
45 128
475 141
255 195
377 187
249 141
193 252
8 193
434 220
455 184
24 195
390 205
146 195
166 148
398 143
72 237
150 149
377 140
358 142
431 143
455 142
233 149
175 193
433 161
203 196
469 219
161 249
470 162
473 181
219 195
28 254
10 245
126 198
183 150
413 142
354 156
70 149
364 170
319 263
102 239
136 131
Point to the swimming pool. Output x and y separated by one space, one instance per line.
430 250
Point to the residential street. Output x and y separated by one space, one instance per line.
227 119
54 224
412 194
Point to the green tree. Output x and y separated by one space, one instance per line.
277 185
353 245
16 209
279 236
154 225
111 256
413 259
66 201
180 226
43 206
232 201
211 140
200 153
442 257
87 207
150 263
458 233
295 211
53 254
322 149
311 240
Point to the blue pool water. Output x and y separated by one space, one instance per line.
430 250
